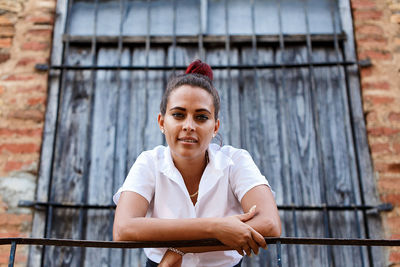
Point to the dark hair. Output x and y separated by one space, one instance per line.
197 74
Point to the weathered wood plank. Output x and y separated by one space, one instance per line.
71 158
341 182
100 185
227 84
144 133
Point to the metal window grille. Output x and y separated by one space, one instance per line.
95 65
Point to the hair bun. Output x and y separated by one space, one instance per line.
198 67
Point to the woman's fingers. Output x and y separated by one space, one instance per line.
247 250
258 238
254 246
248 215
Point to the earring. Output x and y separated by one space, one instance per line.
213 135
162 131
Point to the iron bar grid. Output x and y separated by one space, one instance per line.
364 63
206 39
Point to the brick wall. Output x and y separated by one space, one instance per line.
25 39
377 31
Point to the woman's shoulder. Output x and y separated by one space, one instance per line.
228 150
154 154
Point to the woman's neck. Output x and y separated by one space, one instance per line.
191 169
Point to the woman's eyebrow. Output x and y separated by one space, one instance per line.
179 108
203 110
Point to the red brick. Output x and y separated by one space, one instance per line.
20 132
361 4
391 198
34 115
5 21
10 234
368 42
30 89
394 224
13 166
5 42
42 20
41 32
379 99
369 29
36 100
20 148
367 15
381 85
26 61
396 148
382 131
11 219
377 148
375 54
366 72
394 167
395 236
4 57
394 256
389 184
394 116
7 31
35 46
20 77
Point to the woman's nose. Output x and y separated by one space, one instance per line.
188 125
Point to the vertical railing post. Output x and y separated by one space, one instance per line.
278 253
12 254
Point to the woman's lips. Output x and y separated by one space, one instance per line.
190 140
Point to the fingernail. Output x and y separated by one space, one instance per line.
253 208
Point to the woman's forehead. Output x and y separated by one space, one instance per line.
191 97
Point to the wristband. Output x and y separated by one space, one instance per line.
177 251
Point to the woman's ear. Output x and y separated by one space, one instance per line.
216 128
160 120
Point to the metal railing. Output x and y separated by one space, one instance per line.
192 243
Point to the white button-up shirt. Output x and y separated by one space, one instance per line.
229 174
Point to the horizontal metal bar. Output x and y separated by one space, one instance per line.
45 67
195 243
207 39
381 207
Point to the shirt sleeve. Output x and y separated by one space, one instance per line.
245 174
140 179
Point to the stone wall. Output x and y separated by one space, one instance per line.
25 40
377 32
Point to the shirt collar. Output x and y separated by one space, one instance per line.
213 172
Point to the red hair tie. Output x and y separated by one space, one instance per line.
198 67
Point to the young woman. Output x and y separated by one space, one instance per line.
193 189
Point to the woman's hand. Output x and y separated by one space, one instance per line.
171 259
234 233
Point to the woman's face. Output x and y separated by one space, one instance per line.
189 123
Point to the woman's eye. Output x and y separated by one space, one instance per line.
202 117
178 115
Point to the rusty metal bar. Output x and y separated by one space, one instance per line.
195 243
364 63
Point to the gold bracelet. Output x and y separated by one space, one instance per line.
177 251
